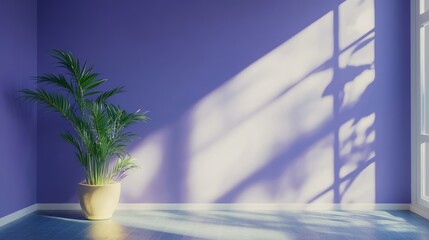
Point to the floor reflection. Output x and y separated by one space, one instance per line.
186 225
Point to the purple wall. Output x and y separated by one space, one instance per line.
286 102
18 47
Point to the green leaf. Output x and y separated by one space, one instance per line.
122 167
102 98
54 101
59 81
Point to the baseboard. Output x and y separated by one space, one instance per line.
236 206
262 206
420 211
58 206
18 214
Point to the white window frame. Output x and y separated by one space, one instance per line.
420 199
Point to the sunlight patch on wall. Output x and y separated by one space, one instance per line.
258 115
149 156
357 154
358 62
315 166
306 176
290 128
357 18
262 81
357 136
259 192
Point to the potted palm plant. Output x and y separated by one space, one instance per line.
99 136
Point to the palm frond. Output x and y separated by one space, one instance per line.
126 119
53 101
102 98
59 81
122 167
67 61
70 138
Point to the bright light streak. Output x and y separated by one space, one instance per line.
242 125
357 18
149 156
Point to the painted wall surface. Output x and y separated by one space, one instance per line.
18 64
251 101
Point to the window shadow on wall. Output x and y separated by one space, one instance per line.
296 126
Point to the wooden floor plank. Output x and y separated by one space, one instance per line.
220 225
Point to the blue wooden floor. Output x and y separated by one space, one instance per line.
228 225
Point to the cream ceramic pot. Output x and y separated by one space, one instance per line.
98 202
